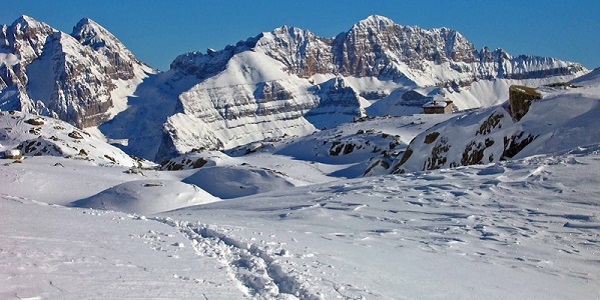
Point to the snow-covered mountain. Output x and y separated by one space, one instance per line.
290 81
378 47
82 78
287 82
286 211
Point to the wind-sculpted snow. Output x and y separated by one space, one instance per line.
237 181
532 216
524 228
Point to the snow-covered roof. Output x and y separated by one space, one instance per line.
438 101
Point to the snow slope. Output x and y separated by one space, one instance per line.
520 229
511 230
82 219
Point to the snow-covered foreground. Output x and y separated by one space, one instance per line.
525 229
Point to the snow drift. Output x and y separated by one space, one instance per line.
147 197
232 182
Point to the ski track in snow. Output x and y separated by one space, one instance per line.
259 273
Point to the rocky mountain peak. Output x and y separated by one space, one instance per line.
90 33
378 47
286 38
375 21
25 38
23 22
71 77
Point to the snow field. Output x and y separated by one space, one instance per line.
520 229
503 231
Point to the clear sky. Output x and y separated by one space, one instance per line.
157 31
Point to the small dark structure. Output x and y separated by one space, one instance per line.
438 106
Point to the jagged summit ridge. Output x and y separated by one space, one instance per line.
90 33
376 59
378 47
25 38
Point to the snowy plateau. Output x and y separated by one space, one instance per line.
291 166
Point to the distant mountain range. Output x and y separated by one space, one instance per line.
284 82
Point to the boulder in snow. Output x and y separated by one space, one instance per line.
13 154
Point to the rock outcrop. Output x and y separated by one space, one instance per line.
520 98
32 135
553 123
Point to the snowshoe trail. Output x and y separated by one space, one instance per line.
260 272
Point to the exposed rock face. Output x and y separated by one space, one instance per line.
520 98
299 50
25 38
70 77
484 137
335 97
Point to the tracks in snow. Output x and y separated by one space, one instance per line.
259 272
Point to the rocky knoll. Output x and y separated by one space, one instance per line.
551 123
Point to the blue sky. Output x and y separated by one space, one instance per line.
157 31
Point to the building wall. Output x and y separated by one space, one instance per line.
435 110
438 110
